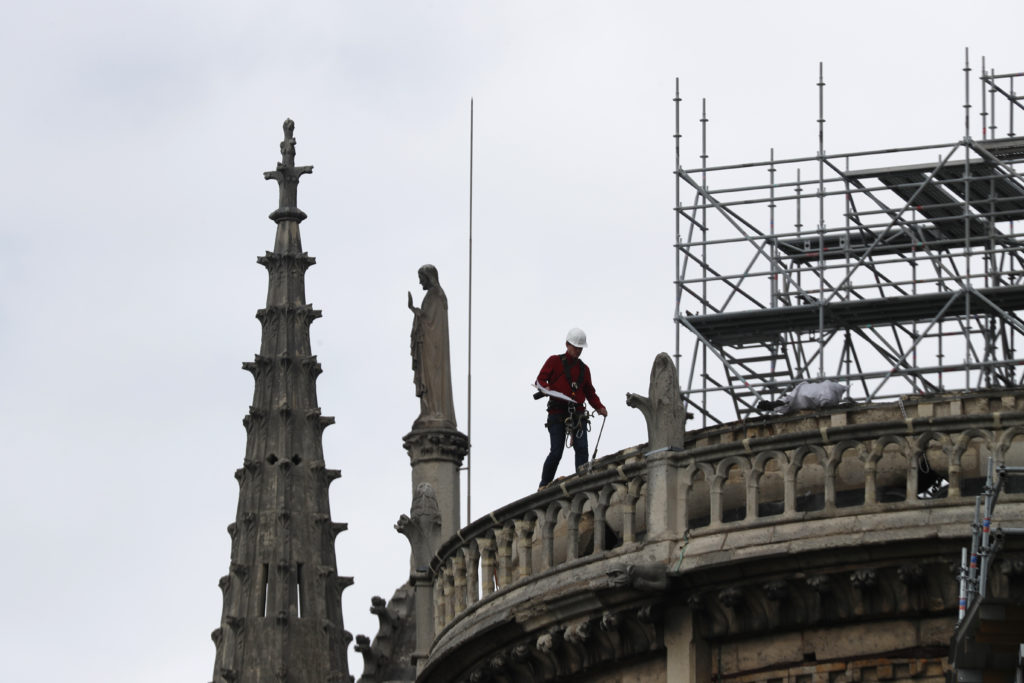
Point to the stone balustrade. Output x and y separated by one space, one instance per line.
577 517
808 468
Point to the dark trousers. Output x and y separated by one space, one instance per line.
556 430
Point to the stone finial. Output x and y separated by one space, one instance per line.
422 526
663 409
287 175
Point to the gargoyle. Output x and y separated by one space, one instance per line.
663 409
422 526
385 616
372 660
648 578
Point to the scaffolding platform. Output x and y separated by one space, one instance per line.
896 271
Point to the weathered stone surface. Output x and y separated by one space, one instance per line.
282 617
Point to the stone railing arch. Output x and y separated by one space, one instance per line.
759 470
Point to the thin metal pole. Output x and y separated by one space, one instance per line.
821 219
984 110
704 239
593 457
1013 100
992 103
967 203
962 602
775 264
678 275
972 572
986 533
469 345
967 93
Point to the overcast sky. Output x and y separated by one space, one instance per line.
136 133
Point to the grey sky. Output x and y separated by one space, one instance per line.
136 137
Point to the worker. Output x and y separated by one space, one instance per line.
567 375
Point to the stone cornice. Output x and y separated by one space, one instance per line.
557 624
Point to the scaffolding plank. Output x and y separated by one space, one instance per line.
729 329
932 201
1008 149
848 245
989 191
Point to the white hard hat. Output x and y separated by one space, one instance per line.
577 337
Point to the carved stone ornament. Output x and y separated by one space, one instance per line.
446 445
641 577
287 175
663 409
422 526
566 650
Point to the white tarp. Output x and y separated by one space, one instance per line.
812 396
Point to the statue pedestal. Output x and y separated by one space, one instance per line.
436 456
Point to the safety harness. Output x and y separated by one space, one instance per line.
576 421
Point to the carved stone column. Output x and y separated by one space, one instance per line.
436 456
664 514
459 578
503 539
471 553
488 564
524 541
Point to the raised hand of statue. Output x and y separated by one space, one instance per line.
411 307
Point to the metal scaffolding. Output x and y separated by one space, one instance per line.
987 642
894 271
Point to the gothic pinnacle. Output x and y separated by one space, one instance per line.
283 583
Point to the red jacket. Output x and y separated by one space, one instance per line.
552 376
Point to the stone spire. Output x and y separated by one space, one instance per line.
282 619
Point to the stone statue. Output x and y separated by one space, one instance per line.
431 364
663 409
288 144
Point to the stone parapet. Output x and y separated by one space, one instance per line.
803 521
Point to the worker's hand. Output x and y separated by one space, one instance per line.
602 411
